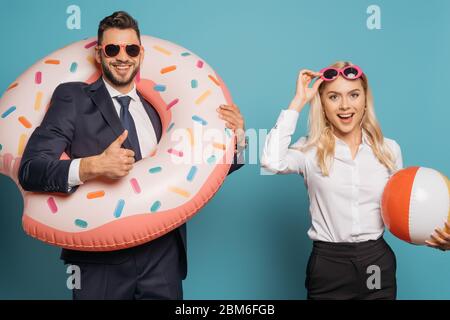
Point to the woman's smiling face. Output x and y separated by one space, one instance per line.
344 103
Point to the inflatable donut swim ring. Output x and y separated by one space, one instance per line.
164 189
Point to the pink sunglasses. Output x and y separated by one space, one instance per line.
349 72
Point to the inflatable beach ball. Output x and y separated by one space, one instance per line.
415 201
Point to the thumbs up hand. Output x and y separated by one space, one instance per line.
113 163
118 142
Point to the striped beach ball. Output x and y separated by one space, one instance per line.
415 201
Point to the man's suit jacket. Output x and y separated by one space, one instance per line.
82 122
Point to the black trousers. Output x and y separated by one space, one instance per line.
341 271
152 271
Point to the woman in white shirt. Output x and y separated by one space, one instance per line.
345 162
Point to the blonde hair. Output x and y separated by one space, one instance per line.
321 131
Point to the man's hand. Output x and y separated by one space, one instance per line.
233 120
113 163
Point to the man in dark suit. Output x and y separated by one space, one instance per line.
105 127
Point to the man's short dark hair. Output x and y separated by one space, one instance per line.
120 20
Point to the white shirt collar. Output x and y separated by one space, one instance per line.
342 150
365 138
364 141
115 93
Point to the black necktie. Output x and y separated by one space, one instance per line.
128 124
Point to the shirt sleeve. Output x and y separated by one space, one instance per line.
74 174
398 156
277 156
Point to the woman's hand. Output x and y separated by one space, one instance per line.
441 239
304 93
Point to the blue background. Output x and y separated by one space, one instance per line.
250 241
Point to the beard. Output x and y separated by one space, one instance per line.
120 82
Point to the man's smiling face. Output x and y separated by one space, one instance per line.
121 69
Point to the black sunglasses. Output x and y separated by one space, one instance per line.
112 50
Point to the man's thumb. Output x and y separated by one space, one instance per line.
120 139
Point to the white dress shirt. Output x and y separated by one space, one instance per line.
345 206
144 128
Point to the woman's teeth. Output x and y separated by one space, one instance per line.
345 116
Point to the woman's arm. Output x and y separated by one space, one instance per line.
277 156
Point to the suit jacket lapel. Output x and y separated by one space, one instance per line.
100 96
154 117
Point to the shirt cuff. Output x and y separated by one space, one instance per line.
287 120
74 174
